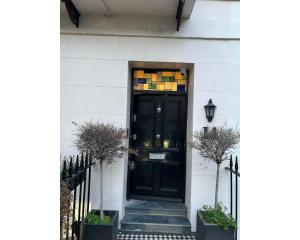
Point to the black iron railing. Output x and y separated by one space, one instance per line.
234 171
78 178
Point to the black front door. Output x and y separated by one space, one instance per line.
158 134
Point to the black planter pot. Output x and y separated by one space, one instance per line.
101 231
207 231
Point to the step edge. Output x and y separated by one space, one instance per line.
157 209
159 224
156 214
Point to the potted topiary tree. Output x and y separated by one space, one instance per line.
105 142
215 145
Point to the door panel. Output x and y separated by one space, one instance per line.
170 124
169 180
143 176
159 127
146 116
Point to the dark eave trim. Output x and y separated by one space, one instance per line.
73 12
179 13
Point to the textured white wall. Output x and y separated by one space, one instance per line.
94 86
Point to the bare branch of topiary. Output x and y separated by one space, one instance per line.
216 145
103 140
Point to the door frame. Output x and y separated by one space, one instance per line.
140 92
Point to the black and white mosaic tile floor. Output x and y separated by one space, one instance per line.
154 236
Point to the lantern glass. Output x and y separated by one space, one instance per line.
207 111
210 110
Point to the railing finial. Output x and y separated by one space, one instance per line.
81 162
236 166
86 162
77 164
64 170
70 167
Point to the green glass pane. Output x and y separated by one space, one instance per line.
152 85
172 79
164 79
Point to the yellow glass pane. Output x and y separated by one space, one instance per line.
178 75
174 86
167 74
168 86
139 74
182 82
147 75
154 77
161 87
145 86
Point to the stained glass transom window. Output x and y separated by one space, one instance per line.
171 81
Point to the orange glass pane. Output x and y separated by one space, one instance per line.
167 74
178 75
139 74
154 77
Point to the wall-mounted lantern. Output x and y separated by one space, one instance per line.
210 110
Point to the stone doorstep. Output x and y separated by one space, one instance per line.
163 208
156 220
155 216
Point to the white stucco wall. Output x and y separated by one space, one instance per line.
94 86
209 18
